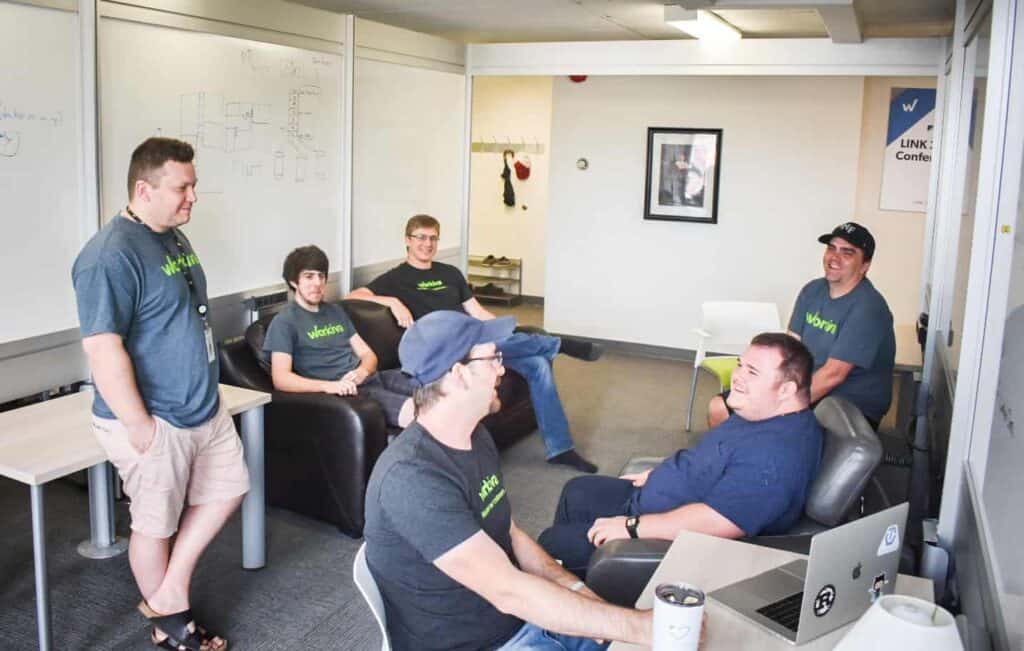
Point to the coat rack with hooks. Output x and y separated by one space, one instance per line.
498 146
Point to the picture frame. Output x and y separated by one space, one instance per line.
683 174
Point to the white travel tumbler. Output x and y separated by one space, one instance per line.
678 614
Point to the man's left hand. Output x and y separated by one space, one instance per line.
356 376
606 529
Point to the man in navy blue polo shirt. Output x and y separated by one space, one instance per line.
750 475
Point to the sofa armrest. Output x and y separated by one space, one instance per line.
620 569
320 450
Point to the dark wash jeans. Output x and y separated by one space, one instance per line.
583 500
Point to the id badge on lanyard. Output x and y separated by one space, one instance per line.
211 350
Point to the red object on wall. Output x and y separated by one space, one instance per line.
578 78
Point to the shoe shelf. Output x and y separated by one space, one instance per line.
497 279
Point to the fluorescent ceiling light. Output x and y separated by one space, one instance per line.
700 24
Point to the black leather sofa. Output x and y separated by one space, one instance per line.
321 448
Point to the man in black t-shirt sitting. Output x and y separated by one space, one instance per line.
421 285
454 571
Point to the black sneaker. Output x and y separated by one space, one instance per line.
588 351
573 460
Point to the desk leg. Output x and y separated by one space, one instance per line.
42 583
102 542
254 513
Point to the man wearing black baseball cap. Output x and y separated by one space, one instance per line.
847 325
453 568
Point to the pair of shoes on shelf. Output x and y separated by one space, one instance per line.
588 351
490 289
490 260
572 459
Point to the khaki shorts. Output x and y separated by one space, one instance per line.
201 465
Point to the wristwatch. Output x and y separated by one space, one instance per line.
631 524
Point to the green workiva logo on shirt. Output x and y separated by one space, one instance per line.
487 487
431 286
815 321
325 331
176 265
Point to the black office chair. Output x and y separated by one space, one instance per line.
620 569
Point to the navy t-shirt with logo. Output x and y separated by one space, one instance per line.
442 287
130 281
317 341
855 328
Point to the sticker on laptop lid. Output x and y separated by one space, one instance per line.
824 599
890 541
877 586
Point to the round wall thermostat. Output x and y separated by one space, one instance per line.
582 164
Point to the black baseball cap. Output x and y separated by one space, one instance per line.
856 235
437 341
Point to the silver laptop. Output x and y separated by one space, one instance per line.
849 567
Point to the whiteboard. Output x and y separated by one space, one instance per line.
265 120
40 169
405 160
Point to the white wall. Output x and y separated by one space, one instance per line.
789 173
517 108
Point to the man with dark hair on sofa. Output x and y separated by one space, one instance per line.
313 347
749 475
846 324
157 413
422 285
454 570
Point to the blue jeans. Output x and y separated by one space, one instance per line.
583 500
532 638
531 356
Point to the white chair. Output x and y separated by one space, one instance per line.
726 329
368 588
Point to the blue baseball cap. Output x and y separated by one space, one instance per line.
439 340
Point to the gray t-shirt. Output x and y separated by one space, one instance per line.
423 499
129 281
317 341
855 328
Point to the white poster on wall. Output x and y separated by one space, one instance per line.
908 150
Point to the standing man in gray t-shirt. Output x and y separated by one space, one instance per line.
142 306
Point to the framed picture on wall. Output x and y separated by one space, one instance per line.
682 174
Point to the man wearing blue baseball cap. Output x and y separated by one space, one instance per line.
454 570
846 324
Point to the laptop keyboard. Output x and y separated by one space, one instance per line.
784 611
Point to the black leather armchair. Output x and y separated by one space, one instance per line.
321 448
620 569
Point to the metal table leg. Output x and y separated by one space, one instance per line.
42 583
102 542
254 515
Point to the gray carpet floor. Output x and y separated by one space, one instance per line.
304 599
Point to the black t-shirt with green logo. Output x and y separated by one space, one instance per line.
423 499
317 341
442 287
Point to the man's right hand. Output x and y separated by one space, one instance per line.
638 478
141 436
401 313
343 387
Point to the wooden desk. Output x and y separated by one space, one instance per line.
53 439
711 563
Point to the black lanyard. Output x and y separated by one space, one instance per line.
181 254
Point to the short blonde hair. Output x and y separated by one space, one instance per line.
421 221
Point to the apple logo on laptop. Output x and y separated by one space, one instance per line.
856 571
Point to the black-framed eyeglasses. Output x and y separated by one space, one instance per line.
489 358
425 238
